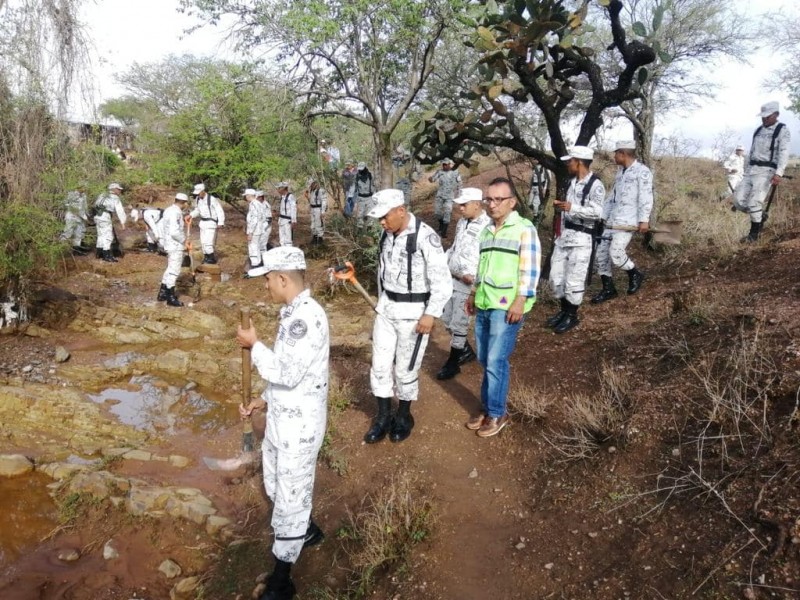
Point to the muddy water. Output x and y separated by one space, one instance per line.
28 514
151 404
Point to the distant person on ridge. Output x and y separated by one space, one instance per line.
734 167
449 180
768 158
364 190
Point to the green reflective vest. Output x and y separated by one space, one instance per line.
497 282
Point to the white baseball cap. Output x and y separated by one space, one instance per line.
260 193
769 108
282 258
448 161
181 197
469 195
249 192
386 200
200 187
282 184
361 166
114 186
625 145
740 147
580 152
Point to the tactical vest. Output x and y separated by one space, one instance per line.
498 267
411 248
771 162
579 224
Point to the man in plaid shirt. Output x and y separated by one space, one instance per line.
503 293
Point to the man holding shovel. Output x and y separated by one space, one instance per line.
769 155
414 284
628 205
296 368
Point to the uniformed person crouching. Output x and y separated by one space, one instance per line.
173 235
573 247
413 286
296 369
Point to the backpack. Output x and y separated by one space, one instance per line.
411 248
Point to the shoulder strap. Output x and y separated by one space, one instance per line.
588 188
411 247
775 135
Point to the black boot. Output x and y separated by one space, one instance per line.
635 280
206 259
152 247
450 368
467 355
212 259
279 584
569 320
163 293
607 293
755 229
314 535
172 299
108 256
78 250
403 422
380 426
98 253
556 318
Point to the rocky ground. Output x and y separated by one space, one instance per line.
665 494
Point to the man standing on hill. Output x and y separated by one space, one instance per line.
174 242
462 260
540 182
734 167
413 286
75 218
254 226
348 187
573 247
503 293
208 208
629 203
449 181
318 203
287 214
768 158
266 232
364 190
105 206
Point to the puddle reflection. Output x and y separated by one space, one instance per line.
29 514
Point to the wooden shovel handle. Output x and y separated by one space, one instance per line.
245 361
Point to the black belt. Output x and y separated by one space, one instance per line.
285 217
208 219
576 227
365 195
395 297
316 205
763 163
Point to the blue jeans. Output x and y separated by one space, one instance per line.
495 340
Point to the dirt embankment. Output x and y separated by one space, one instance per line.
652 452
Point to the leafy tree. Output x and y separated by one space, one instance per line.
784 36
363 60
534 53
229 126
688 37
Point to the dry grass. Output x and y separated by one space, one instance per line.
592 420
386 526
340 395
528 402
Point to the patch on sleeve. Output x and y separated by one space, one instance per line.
434 240
298 329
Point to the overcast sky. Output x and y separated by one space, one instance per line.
128 31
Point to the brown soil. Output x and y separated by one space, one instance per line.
529 525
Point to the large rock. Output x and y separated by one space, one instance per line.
12 465
170 569
184 589
62 354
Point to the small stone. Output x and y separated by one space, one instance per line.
498 490
612 449
549 566
14 464
520 546
68 555
676 452
170 569
749 593
184 588
214 523
473 474
592 534
178 461
137 455
27 368
190 386
62 354
109 552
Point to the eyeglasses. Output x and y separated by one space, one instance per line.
490 201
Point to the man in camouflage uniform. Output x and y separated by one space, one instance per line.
449 180
629 203
105 206
287 214
254 226
318 204
734 167
296 369
539 184
364 186
768 158
573 247
209 210
462 260
173 235
266 232
413 286
75 218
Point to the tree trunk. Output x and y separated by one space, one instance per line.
383 159
643 129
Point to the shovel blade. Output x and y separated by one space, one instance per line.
668 232
230 464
